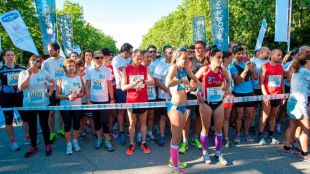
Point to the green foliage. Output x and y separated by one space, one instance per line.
245 17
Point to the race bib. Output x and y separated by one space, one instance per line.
59 73
151 92
97 85
12 79
214 94
274 80
134 78
36 96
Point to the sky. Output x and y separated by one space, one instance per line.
124 20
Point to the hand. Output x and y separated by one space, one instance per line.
72 97
247 66
49 94
266 101
31 70
253 65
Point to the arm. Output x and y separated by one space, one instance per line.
193 77
262 79
150 79
125 85
24 84
161 86
50 88
58 91
110 89
88 91
82 93
255 75
227 82
170 79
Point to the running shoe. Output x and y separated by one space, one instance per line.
161 141
145 148
289 152
76 146
196 143
237 139
98 143
52 137
261 140
248 138
130 149
181 165
183 148
48 150
178 171
206 158
31 151
108 146
122 138
305 158
296 146
220 159
69 149
61 133
273 140
226 143
15 146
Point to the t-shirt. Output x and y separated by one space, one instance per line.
259 63
231 85
34 95
9 79
71 86
244 87
286 67
54 67
98 83
300 85
117 63
195 65
161 72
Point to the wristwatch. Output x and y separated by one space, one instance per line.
67 97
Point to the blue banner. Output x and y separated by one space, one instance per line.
65 22
220 23
199 29
46 11
261 35
282 21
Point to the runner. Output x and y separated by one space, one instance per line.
87 56
136 79
10 96
211 103
178 83
32 83
271 80
70 90
98 90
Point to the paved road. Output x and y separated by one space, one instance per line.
242 159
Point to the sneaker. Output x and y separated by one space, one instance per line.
274 141
262 140
122 138
108 146
226 143
221 159
27 142
31 151
138 139
289 152
15 146
69 149
248 138
183 148
305 158
296 146
145 148
76 146
181 165
237 139
151 138
52 137
130 149
206 158
178 171
48 150
196 142
161 141
98 143
113 136
61 133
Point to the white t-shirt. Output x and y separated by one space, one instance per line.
161 72
71 86
34 95
117 63
300 85
54 67
286 67
259 63
98 83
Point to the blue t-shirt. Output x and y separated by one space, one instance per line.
244 87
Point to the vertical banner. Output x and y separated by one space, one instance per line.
220 23
17 30
76 48
199 29
66 29
282 22
261 35
46 12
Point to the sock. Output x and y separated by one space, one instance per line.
12 140
184 140
260 134
74 141
174 153
270 133
204 143
287 148
218 143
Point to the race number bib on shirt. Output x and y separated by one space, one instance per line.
97 84
151 92
274 80
12 79
75 89
134 78
59 72
36 96
214 94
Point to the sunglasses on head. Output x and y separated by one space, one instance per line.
99 57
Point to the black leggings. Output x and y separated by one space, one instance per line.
32 122
68 117
101 119
9 101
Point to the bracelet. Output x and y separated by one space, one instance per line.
67 97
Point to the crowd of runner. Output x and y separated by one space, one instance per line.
200 72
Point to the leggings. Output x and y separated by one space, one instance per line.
101 119
8 101
69 116
32 122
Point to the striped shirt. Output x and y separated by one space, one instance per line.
9 79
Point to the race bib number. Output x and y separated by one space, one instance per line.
134 78
12 79
214 94
59 73
274 80
36 96
97 85
151 92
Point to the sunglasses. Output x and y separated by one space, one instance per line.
191 52
152 51
130 53
36 60
99 57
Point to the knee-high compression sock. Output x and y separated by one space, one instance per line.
174 153
204 143
218 143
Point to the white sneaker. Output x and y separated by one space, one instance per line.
76 146
69 149
206 159
15 146
221 159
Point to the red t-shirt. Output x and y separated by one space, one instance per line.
273 79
